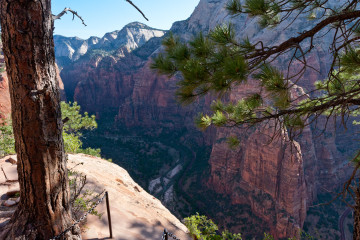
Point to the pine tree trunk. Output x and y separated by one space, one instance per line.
27 36
356 233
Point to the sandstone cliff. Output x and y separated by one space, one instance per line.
99 76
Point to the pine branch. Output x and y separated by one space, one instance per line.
340 100
295 41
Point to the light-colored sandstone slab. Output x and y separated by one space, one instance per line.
10 171
14 186
3 190
2 177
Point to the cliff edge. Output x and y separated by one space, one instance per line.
136 215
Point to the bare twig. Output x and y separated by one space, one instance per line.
129 1
55 17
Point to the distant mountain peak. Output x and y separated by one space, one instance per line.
141 25
136 25
130 37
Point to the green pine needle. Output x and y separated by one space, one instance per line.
170 41
179 52
219 119
234 7
350 61
254 101
223 34
201 46
246 45
203 121
257 7
233 142
163 65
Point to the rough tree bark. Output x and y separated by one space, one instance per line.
27 35
356 232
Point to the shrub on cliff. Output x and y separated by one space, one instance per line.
202 228
74 123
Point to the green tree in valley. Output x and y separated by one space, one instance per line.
218 61
202 228
74 123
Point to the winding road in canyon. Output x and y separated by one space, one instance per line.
341 223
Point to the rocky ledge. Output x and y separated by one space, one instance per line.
135 213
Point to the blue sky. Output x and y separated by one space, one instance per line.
102 16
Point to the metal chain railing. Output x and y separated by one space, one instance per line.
167 234
80 219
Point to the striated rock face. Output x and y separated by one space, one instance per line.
269 176
266 173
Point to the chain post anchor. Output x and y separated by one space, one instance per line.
109 214
165 235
